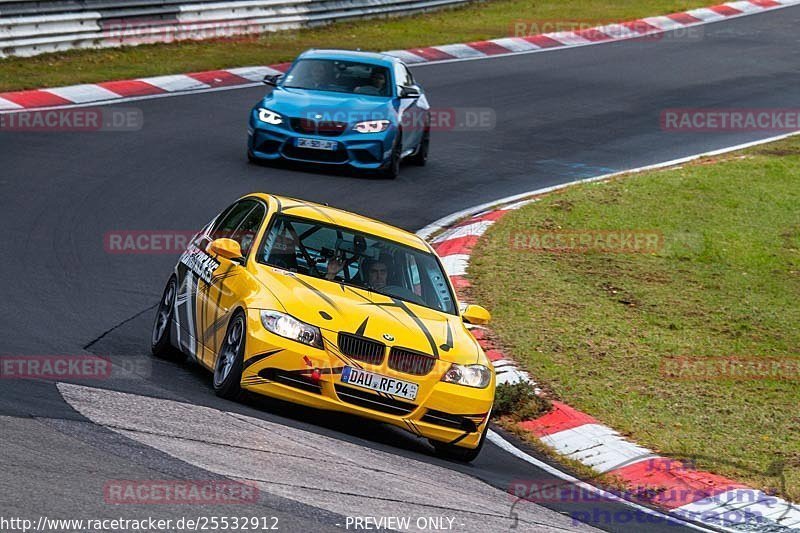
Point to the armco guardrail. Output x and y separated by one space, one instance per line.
31 27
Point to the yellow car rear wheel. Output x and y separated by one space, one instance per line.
160 341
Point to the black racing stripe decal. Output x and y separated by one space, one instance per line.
399 304
214 327
479 416
217 282
309 371
254 380
459 439
318 293
362 328
194 284
224 275
411 427
449 342
200 318
420 324
376 304
260 357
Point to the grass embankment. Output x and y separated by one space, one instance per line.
476 21
599 329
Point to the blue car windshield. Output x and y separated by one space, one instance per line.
339 76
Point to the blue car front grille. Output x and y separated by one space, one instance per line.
310 154
328 128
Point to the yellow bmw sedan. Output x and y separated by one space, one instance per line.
332 310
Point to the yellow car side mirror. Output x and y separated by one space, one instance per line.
475 314
227 248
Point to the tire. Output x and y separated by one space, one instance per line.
457 453
161 336
228 366
392 168
251 158
420 157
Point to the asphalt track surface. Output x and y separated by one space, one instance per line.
560 115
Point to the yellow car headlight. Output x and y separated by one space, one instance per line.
291 328
477 376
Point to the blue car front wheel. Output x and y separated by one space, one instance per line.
420 157
391 169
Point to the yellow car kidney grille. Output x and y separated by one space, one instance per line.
411 362
361 348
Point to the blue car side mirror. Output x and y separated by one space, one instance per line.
409 91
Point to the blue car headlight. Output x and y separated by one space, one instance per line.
372 126
269 116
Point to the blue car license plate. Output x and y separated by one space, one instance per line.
316 144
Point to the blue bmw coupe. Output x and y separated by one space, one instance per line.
342 107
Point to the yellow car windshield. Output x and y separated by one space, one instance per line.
338 254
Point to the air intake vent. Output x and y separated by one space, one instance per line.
361 348
372 401
440 418
291 379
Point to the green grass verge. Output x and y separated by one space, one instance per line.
476 21
596 327
519 402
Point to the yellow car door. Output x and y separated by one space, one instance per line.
232 281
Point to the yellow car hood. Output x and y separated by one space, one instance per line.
337 307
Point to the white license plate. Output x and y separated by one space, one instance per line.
316 144
377 382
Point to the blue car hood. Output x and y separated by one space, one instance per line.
347 107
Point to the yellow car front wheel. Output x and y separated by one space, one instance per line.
228 367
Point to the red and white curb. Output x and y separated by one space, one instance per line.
154 87
112 91
675 487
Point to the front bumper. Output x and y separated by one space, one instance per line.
367 151
441 411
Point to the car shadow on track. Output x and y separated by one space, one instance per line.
344 171
188 382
